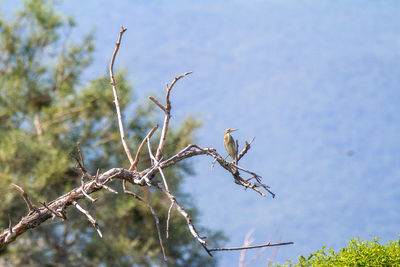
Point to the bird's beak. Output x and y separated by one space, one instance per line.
232 130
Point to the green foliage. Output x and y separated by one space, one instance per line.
357 253
44 110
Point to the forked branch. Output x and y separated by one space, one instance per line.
167 112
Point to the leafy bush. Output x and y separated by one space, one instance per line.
358 253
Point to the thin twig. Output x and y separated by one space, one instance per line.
156 163
172 85
245 149
108 188
168 218
148 136
189 222
165 185
83 188
83 168
251 247
255 175
213 163
126 191
163 136
10 233
158 104
24 195
102 185
90 218
10 224
96 178
80 154
57 214
116 101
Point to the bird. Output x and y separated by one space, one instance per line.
230 144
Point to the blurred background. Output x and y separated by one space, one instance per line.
317 84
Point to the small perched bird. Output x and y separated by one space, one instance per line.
230 145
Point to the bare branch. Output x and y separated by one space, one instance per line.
245 149
168 218
148 136
57 214
189 222
163 136
34 219
82 167
175 202
167 115
156 163
100 185
24 195
255 175
58 206
83 187
107 188
158 104
90 218
172 85
96 178
116 101
80 154
194 150
10 233
9 223
126 191
251 247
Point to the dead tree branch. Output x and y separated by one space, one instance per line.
168 218
245 149
167 111
55 213
24 195
58 207
90 218
148 136
251 247
189 222
126 191
116 101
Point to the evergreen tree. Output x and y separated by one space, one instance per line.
45 109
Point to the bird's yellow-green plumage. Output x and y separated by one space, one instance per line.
230 145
